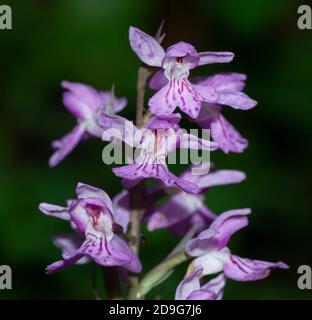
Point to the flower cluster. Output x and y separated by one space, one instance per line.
103 229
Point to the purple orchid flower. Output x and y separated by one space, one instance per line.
95 220
213 255
155 141
175 89
229 86
83 102
183 210
191 289
70 243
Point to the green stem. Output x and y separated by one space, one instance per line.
154 277
136 193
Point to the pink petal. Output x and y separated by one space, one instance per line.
237 100
121 205
242 269
179 93
146 47
54 211
158 80
107 101
178 208
226 81
227 137
216 285
220 178
219 232
189 284
215 57
81 100
65 145
118 128
85 191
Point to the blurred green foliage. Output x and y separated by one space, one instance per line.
86 41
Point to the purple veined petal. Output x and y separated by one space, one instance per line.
212 262
140 171
63 264
202 243
228 138
79 215
136 171
189 284
221 178
227 224
121 205
111 105
216 285
134 265
210 57
177 93
170 121
69 244
206 94
81 100
146 47
208 113
227 82
158 80
189 174
182 50
236 100
190 141
118 128
178 208
219 232
65 145
54 211
242 269
115 252
85 191
161 103
167 177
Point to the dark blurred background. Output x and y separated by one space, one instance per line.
87 41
